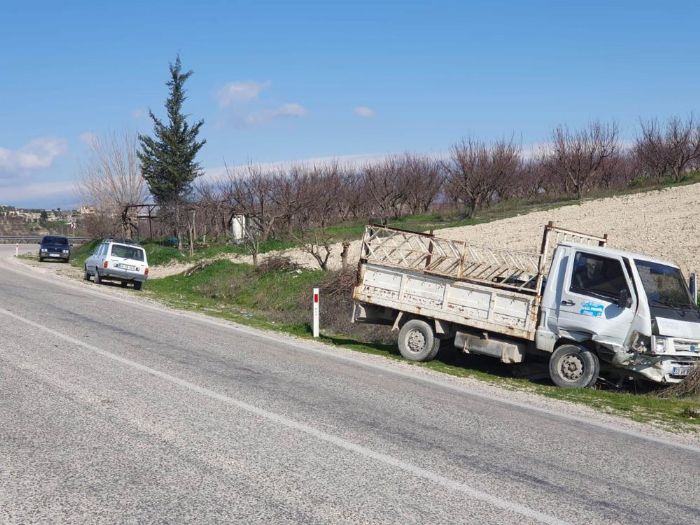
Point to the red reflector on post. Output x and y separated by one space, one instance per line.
317 314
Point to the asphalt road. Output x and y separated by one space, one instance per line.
115 410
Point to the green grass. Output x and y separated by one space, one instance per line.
238 291
82 252
272 300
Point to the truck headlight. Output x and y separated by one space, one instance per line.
640 343
660 345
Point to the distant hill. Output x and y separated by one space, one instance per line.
19 226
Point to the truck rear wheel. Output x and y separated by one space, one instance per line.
574 366
417 342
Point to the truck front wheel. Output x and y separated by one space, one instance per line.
417 342
574 366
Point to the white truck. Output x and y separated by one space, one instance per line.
577 301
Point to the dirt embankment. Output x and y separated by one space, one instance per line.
663 224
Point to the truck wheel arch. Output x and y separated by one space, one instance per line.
441 329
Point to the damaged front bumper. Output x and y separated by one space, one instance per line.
656 359
662 369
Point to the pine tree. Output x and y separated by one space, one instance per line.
168 159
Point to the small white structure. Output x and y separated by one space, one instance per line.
238 227
316 313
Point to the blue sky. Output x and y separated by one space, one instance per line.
285 81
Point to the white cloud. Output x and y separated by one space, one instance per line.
38 154
237 92
88 138
364 112
292 110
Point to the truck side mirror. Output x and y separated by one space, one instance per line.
693 285
623 299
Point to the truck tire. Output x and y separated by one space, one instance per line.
417 342
436 348
574 366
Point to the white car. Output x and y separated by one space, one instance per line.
122 261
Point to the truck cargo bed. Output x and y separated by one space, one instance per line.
481 307
489 289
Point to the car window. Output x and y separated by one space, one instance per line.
127 252
49 239
597 276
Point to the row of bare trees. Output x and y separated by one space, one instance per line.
286 201
291 202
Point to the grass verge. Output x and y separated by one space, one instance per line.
279 300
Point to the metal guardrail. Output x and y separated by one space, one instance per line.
34 239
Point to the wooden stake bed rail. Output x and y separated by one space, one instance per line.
509 269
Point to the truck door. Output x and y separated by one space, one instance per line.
593 287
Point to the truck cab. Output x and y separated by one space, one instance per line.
632 312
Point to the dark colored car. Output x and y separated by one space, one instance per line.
54 247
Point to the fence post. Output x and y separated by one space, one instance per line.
316 313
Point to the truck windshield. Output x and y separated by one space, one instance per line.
664 285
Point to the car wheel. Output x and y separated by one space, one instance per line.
98 279
137 285
41 259
86 274
574 366
417 341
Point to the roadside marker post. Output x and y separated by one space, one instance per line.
17 250
316 313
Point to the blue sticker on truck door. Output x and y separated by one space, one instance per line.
592 309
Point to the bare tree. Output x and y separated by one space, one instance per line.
111 177
318 243
382 183
422 178
478 173
289 194
576 158
251 194
213 213
618 170
671 150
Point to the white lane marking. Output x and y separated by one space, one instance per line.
307 429
332 352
